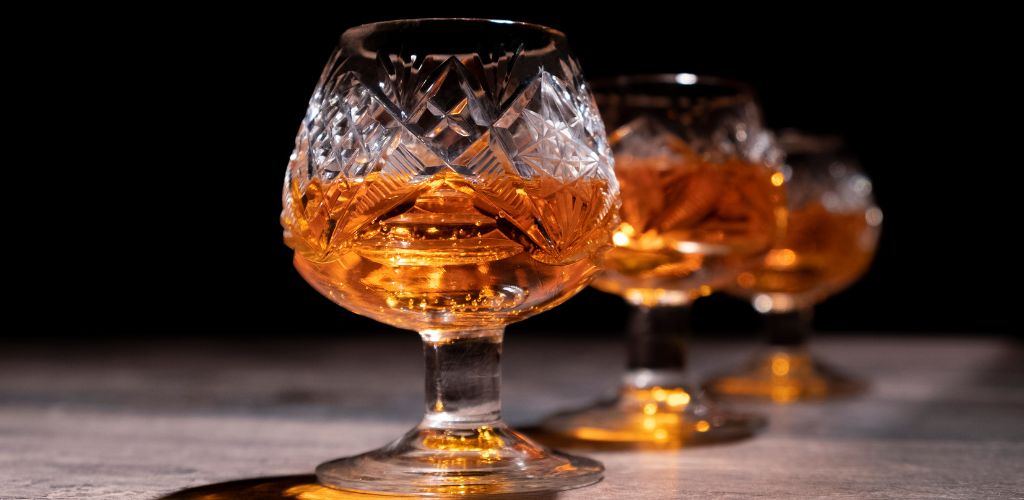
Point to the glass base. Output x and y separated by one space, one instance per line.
487 459
650 418
784 376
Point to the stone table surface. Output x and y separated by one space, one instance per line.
137 419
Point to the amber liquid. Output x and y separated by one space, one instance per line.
821 253
448 253
689 226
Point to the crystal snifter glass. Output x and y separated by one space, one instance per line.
830 240
701 199
452 176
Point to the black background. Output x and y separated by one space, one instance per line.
189 118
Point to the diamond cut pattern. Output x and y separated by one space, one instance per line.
646 137
428 115
449 112
548 128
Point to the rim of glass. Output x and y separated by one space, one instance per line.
796 141
681 79
469 20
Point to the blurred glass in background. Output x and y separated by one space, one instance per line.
831 235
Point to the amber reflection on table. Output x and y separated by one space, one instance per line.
304 487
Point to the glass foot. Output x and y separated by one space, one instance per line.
650 418
784 376
488 459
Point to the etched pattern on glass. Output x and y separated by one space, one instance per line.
488 123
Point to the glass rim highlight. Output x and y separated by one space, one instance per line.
607 84
363 29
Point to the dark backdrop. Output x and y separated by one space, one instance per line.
193 116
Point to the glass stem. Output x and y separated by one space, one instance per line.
657 346
463 379
789 329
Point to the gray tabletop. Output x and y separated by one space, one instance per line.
140 419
